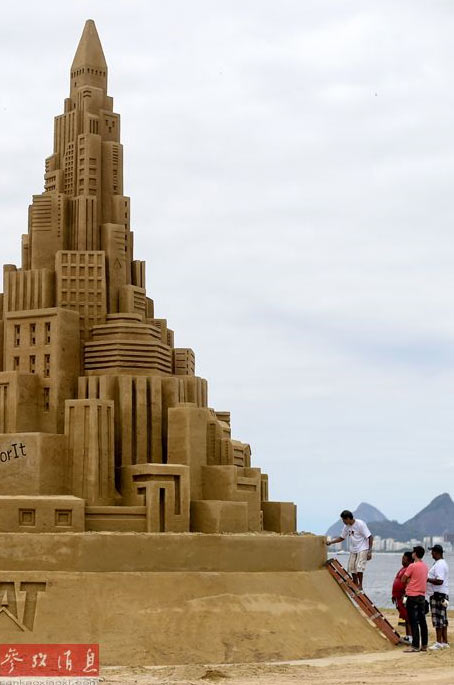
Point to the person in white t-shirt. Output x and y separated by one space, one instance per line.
360 541
438 595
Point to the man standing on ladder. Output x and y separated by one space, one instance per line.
360 542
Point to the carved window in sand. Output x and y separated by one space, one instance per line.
47 365
32 334
27 517
46 399
17 335
47 329
63 518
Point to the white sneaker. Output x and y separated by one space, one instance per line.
437 645
445 645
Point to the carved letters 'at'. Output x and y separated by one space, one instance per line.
9 601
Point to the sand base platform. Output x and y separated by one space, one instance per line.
178 598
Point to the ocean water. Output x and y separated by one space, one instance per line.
381 571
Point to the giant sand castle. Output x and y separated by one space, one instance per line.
128 514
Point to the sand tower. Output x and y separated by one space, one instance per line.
124 499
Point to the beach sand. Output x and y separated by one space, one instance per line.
379 668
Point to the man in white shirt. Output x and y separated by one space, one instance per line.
438 594
360 543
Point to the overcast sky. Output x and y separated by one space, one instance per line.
290 165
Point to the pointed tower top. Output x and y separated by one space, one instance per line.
89 51
89 66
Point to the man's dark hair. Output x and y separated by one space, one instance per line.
407 555
419 551
346 514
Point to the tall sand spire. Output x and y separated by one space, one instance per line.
89 65
89 51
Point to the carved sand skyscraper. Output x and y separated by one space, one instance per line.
129 517
104 424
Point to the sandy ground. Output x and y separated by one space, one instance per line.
387 668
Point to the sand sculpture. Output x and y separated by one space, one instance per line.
124 499
105 425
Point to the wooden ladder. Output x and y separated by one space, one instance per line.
363 602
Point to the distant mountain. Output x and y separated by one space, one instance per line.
365 512
435 519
